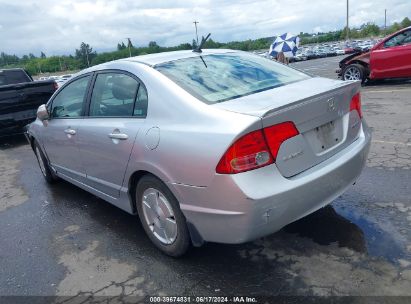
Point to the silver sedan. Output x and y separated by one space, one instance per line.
219 146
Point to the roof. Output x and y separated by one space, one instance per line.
158 58
12 69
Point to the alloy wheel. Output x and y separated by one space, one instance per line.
159 216
352 73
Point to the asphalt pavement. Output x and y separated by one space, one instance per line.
60 240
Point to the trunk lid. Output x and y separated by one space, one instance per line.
319 108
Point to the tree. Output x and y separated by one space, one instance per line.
343 34
85 54
42 55
152 44
369 29
395 27
406 22
121 46
194 44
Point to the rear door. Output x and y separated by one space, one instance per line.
60 133
393 58
117 110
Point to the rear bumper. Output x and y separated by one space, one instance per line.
242 207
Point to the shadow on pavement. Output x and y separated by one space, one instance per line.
326 226
384 82
12 141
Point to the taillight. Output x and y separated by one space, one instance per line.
277 134
256 149
247 153
355 104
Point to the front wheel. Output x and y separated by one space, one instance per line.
161 217
354 72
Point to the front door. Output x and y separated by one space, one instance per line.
61 132
393 58
117 111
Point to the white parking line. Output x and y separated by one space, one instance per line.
387 91
310 69
391 142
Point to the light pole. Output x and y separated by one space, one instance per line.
195 24
385 22
347 37
88 62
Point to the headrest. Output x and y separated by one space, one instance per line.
124 88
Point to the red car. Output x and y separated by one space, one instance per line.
389 58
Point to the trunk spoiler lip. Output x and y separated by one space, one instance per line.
307 100
331 86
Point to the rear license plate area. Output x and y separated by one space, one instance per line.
326 136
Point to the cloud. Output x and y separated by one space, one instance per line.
58 27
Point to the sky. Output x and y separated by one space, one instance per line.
58 27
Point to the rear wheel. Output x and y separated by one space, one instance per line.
44 164
161 216
354 72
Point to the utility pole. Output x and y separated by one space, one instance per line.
129 46
195 23
385 22
88 61
347 37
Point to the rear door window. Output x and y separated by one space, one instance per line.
117 95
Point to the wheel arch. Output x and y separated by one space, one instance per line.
135 177
363 63
132 185
30 139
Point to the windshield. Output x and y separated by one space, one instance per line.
220 77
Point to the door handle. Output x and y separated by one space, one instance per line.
70 131
118 136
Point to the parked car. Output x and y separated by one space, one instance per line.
390 58
60 82
349 50
219 146
300 57
321 53
20 97
311 55
340 52
66 77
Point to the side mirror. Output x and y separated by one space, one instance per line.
42 113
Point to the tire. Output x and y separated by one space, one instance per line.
161 217
45 169
354 72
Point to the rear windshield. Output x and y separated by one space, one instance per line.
220 77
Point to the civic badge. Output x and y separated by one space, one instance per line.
331 104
